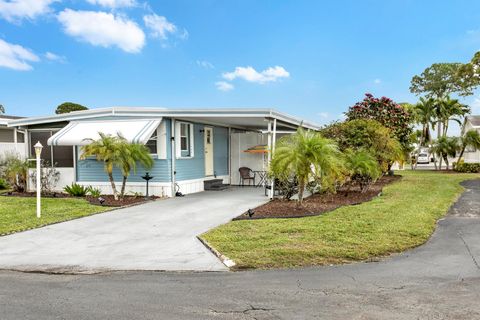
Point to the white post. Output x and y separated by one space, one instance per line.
38 152
269 148
274 140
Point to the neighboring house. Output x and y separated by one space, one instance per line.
11 140
472 123
188 146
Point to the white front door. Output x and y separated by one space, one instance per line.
208 142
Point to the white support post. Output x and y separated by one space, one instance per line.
229 155
172 154
274 140
269 148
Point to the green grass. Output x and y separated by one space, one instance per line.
403 217
18 214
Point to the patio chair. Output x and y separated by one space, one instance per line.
246 174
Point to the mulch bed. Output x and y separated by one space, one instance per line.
111 202
34 194
318 203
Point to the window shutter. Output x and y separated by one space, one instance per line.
178 149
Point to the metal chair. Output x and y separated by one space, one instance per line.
246 174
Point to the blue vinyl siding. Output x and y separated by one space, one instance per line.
91 170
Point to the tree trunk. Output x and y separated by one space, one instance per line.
114 188
124 184
301 188
446 161
440 161
461 155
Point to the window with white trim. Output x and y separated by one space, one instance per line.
184 144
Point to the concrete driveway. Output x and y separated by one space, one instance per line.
160 235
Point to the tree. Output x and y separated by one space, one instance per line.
446 147
108 150
388 113
130 155
450 110
363 168
424 114
471 139
438 81
2 109
367 135
306 155
68 107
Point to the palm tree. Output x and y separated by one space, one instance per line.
130 155
451 110
363 168
106 149
471 139
425 115
306 155
446 147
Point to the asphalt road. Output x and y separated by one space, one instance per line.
439 280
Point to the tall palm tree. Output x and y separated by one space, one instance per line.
471 139
451 110
306 155
108 150
130 155
425 115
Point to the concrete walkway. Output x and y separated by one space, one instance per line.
160 235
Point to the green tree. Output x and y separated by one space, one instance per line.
446 147
424 114
471 139
438 81
306 155
450 110
363 168
108 150
370 135
130 155
68 107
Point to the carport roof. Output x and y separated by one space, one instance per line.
243 118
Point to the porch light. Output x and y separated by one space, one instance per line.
38 151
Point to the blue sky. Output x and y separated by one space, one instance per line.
309 58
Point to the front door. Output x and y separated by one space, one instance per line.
208 142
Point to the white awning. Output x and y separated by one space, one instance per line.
78 133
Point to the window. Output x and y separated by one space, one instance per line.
152 143
20 137
184 141
6 135
61 156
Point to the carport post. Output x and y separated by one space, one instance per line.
274 140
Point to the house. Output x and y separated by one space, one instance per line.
189 146
12 140
471 123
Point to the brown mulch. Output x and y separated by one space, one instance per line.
111 202
318 203
34 194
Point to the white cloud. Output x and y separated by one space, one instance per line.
113 3
224 86
250 74
377 81
54 57
160 27
13 10
324 115
16 57
205 64
103 29
476 105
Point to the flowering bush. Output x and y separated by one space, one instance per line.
387 112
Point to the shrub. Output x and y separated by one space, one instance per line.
76 190
94 192
3 184
49 177
68 107
467 167
14 170
363 168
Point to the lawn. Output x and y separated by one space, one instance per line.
18 214
403 217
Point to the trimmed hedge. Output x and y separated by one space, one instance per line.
467 167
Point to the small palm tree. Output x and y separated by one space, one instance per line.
471 139
363 168
446 147
306 155
130 155
108 150
425 114
451 110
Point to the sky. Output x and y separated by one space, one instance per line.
312 59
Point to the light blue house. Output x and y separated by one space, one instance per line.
189 147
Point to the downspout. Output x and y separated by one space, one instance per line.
172 154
